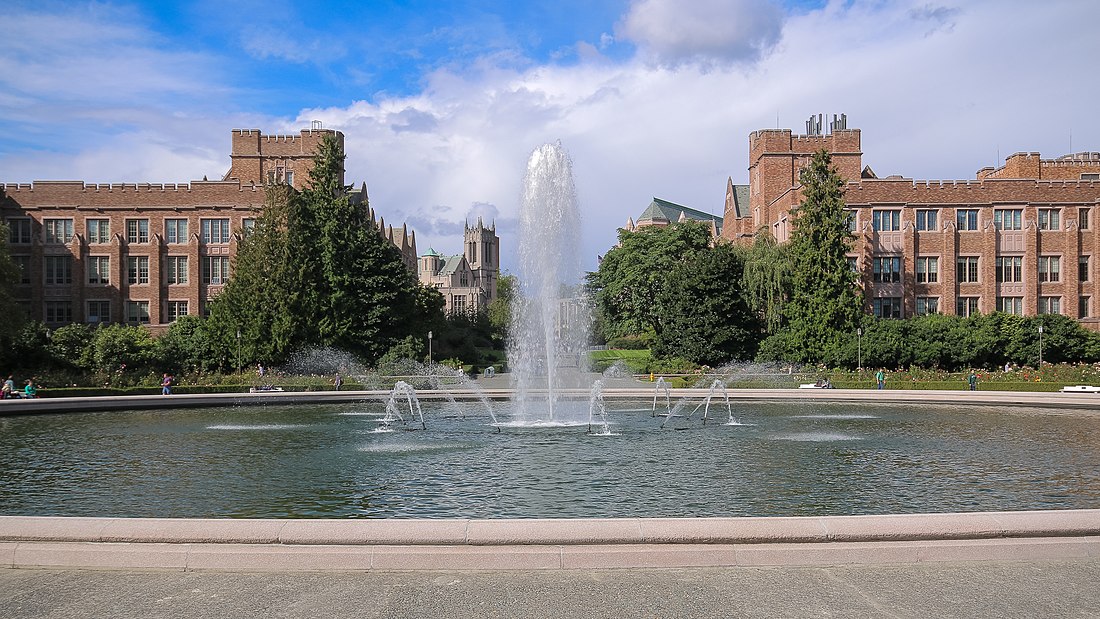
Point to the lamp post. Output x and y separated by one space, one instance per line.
859 348
429 347
1040 346
238 351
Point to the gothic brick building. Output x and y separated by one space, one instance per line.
145 253
1020 239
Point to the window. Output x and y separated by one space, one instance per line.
928 270
290 177
176 270
966 269
1090 176
1050 268
1083 306
928 219
137 270
966 306
59 312
248 224
205 307
20 231
885 270
966 219
99 311
24 264
1008 218
215 269
215 231
853 263
58 230
1049 219
99 269
928 305
887 307
1011 305
1050 305
458 304
99 231
1010 269
137 312
137 230
850 218
59 270
886 221
175 309
175 230
1083 218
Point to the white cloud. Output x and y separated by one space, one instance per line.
704 32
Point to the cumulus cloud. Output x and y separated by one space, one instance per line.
703 32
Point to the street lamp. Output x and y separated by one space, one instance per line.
859 348
429 347
238 351
1040 346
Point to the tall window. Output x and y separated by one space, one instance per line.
928 305
1008 218
137 230
1050 268
887 307
175 309
215 231
850 218
1049 219
99 231
59 270
137 270
458 304
1083 268
1083 218
24 264
886 221
137 312
1010 269
59 312
966 306
99 311
1050 305
175 230
886 269
215 269
58 230
966 269
928 270
290 177
966 219
176 269
99 269
928 219
248 224
1011 305
1083 306
20 231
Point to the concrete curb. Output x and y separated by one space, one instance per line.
222 544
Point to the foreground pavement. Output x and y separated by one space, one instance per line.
974 589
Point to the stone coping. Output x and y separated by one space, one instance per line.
566 532
1052 400
311 545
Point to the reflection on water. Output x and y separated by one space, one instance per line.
328 461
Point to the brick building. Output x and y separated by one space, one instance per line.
145 253
1020 239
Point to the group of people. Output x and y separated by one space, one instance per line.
8 391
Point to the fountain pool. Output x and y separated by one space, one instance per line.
326 460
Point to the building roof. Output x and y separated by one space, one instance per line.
671 212
740 198
451 264
432 252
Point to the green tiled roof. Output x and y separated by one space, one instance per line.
670 212
741 200
451 264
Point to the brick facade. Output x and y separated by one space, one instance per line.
1022 237
141 252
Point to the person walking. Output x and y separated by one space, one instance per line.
972 380
338 381
880 376
166 385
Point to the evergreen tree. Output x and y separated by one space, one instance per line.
825 306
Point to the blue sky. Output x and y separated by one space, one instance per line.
441 102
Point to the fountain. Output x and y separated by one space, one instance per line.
547 350
662 384
393 411
596 407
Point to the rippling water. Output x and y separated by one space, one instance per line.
329 461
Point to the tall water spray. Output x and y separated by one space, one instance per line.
550 320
